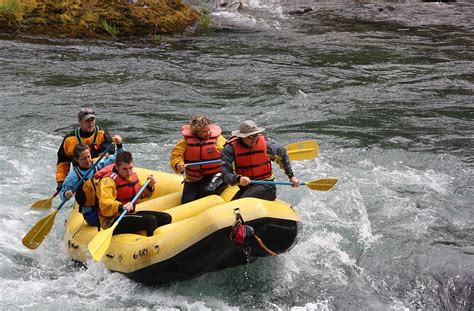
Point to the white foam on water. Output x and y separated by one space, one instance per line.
237 18
323 305
343 207
270 5
95 287
364 225
49 142
318 256
152 156
408 177
252 14
303 94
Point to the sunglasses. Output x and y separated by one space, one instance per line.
252 136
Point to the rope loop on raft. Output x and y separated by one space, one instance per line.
243 235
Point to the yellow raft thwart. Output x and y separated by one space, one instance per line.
197 241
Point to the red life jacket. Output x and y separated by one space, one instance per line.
201 150
252 162
126 189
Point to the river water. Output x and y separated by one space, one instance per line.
386 89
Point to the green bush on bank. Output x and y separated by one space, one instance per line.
96 18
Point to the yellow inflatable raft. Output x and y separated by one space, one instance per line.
198 239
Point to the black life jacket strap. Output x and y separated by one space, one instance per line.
77 133
96 206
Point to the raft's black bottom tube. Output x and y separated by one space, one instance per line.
217 252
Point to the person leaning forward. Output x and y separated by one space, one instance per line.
251 152
87 133
117 185
85 195
202 141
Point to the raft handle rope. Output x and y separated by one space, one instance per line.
241 234
260 243
78 230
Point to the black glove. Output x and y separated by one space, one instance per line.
59 186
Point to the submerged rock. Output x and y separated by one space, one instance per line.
300 11
95 18
231 6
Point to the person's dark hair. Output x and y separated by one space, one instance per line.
78 149
123 157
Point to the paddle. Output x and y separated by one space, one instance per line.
40 230
101 242
202 163
303 150
45 203
324 184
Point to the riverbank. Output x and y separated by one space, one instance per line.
96 18
387 94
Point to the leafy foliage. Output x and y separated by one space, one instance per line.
96 18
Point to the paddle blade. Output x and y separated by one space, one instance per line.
45 203
304 150
39 231
324 184
100 243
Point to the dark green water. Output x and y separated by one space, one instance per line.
387 92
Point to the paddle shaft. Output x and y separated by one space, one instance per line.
100 243
135 198
79 183
270 182
202 163
324 184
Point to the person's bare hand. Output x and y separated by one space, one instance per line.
152 181
180 167
117 139
128 207
244 181
69 194
295 181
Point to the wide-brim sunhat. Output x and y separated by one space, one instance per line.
247 128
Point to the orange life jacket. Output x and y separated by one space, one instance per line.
201 150
86 194
252 162
94 146
126 189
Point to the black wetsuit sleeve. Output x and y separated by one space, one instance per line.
227 169
276 149
62 156
107 141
